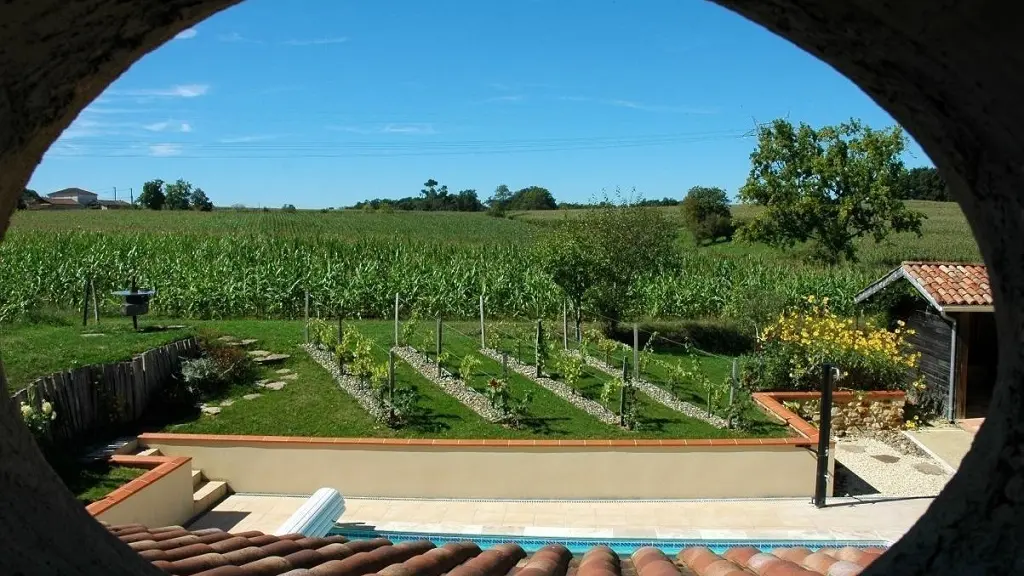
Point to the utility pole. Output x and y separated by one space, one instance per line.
115 193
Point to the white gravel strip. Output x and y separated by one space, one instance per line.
563 391
889 471
363 394
452 386
662 396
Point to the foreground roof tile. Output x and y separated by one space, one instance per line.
213 552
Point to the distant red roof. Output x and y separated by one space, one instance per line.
213 552
943 284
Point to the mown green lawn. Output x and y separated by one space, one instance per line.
314 405
30 351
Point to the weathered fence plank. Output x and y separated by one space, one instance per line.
90 397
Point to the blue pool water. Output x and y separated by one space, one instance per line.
622 546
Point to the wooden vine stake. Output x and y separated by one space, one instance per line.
391 386
622 392
85 303
538 342
95 303
483 337
565 326
439 341
305 327
396 319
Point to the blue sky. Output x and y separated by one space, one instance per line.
334 101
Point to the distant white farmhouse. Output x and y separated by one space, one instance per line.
72 198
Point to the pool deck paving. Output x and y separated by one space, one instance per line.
948 444
776 519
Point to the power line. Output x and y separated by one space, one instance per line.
129 149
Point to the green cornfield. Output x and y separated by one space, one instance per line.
254 264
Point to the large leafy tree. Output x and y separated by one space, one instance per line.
152 195
597 257
532 198
178 195
923 183
828 186
706 213
200 201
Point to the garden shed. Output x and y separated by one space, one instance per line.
954 323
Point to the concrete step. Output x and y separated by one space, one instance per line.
197 479
149 452
207 495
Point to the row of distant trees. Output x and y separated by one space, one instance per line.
435 197
177 195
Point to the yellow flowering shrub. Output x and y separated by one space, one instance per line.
792 349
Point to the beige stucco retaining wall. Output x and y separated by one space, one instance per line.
165 500
503 472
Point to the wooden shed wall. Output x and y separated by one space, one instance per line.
932 338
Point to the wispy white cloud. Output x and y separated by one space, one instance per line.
187 34
507 98
236 37
169 126
391 128
246 139
316 41
408 129
642 106
178 91
660 108
164 150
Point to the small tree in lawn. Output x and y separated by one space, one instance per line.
597 258
829 186
152 195
706 214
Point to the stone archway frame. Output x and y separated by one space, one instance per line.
951 72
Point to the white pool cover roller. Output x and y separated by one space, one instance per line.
316 516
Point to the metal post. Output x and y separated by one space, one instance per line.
537 345
732 389
135 319
341 329
85 304
305 314
565 326
95 302
483 337
636 352
391 385
396 319
824 436
622 392
504 365
439 340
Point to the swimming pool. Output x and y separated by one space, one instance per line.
621 546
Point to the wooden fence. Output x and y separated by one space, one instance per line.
93 397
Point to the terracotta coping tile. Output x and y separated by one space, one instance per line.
157 467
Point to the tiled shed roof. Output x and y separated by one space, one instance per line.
952 284
943 284
213 552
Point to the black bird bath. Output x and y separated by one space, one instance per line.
136 303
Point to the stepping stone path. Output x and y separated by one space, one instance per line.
290 377
851 448
248 342
226 338
888 459
227 403
260 383
273 385
251 396
271 358
210 410
930 469
92 335
259 353
283 371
